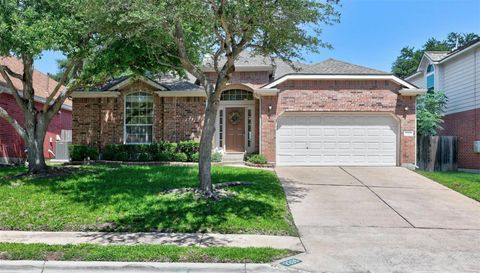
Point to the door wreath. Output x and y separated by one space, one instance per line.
234 118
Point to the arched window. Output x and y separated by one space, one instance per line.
138 118
236 94
430 77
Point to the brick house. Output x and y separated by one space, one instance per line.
457 73
329 113
12 147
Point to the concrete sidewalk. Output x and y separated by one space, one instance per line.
181 239
130 267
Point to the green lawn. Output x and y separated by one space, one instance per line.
130 198
465 183
140 253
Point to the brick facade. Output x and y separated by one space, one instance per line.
100 121
465 125
339 96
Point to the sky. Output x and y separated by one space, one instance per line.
372 32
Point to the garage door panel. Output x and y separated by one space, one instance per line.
337 140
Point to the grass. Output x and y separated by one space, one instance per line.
467 184
140 253
130 198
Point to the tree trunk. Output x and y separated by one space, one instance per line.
205 159
34 142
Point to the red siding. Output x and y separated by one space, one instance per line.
11 144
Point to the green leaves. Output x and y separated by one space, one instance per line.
430 108
407 62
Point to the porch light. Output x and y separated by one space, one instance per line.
270 109
406 108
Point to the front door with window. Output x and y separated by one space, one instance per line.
235 129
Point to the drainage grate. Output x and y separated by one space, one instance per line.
291 262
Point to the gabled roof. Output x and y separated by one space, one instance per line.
437 57
163 82
336 67
42 84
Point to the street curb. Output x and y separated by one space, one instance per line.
25 266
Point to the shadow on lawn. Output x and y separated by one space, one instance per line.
132 197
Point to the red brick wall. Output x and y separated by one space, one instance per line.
99 121
465 125
12 145
252 79
339 96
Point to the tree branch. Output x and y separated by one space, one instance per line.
182 51
65 75
58 102
20 101
4 114
12 73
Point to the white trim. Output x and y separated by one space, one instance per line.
35 98
133 79
412 92
459 52
266 92
182 93
246 104
97 94
418 73
125 120
339 77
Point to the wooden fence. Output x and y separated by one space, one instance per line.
437 153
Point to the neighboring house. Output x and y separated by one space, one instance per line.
457 73
12 147
329 113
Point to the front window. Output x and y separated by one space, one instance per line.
138 118
430 78
236 94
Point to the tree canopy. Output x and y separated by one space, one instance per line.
409 58
220 30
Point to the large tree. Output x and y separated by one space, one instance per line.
221 30
27 28
409 58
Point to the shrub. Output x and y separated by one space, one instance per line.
80 152
257 159
195 157
143 157
165 156
216 157
180 157
111 151
122 156
189 147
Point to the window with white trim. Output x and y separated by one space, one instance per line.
236 94
430 78
138 118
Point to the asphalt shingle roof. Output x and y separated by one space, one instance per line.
436 55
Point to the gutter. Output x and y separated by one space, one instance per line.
412 92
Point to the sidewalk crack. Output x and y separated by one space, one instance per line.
385 202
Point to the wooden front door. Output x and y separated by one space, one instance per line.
235 129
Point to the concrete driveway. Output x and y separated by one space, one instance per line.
380 219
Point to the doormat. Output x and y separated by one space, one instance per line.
291 262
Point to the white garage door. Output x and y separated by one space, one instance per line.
350 140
